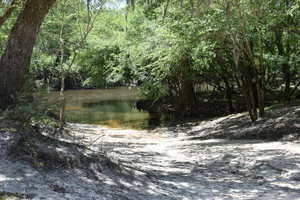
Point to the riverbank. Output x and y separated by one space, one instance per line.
188 161
280 123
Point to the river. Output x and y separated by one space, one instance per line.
114 108
167 163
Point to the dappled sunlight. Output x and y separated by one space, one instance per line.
210 169
149 100
156 165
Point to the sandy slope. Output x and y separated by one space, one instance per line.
178 163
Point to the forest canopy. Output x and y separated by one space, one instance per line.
236 54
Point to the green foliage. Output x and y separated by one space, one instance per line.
69 24
98 63
29 111
167 46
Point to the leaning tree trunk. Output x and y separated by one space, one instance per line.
250 98
15 61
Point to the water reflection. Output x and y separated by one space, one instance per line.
111 107
115 106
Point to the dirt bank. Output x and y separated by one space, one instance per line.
180 162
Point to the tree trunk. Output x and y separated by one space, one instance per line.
187 97
15 61
250 99
287 81
286 69
62 99
260 98
228 90
252 90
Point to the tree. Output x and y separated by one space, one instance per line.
9 10
239 47
15 61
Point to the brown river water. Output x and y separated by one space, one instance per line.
115 108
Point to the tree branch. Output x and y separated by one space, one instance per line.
8 12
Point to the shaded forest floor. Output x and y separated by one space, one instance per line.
224 158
